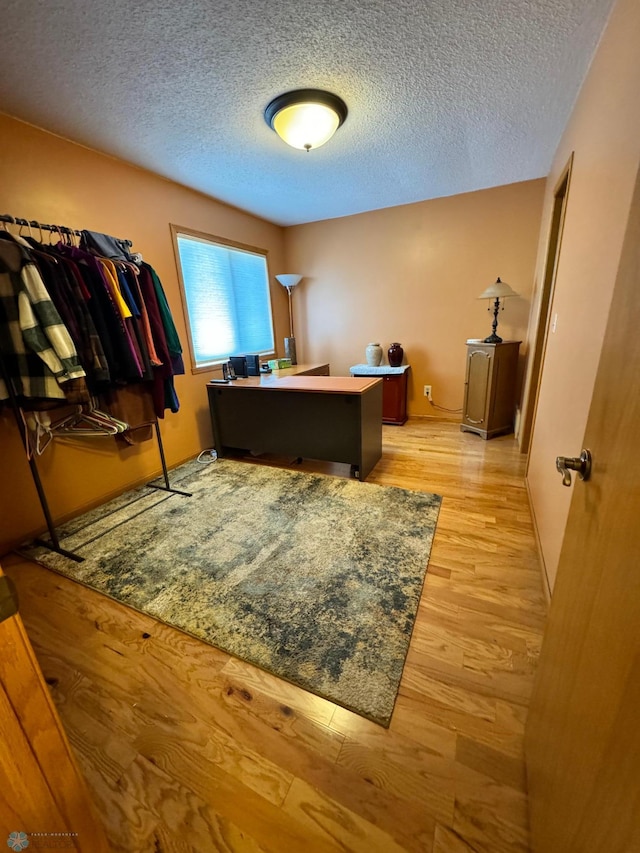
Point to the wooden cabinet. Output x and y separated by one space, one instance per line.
394 390
490 388
43 789
394 398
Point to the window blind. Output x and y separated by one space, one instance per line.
227 295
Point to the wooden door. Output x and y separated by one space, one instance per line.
43 798
583 732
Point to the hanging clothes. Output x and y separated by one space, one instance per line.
105 318
39 353
130 272
134 405
173 342
124 365
106 246
70 298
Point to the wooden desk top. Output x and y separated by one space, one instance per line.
298 369
319 384
326 384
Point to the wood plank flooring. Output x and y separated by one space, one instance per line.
188 749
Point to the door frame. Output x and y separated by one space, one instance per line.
538 351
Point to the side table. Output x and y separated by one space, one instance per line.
394 389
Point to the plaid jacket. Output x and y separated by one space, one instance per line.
37 350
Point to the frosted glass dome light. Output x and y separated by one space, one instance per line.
306 118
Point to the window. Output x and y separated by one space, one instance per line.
226 295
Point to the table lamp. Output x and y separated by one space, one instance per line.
497 291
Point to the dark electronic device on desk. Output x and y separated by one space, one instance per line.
253 365
239 365
246 365
228 373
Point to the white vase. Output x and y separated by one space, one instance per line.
373 354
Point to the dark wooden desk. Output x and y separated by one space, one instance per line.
333 418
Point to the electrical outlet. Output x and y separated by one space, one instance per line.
427 392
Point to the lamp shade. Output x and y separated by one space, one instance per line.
289 279
498 290
306 118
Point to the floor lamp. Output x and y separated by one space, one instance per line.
289 281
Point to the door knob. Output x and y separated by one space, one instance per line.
581 464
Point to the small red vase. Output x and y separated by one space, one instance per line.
396 354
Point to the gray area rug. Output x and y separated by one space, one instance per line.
314 578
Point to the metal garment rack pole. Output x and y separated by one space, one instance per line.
41 226
54 545
167 485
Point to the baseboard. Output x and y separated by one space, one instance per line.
544 577
436 417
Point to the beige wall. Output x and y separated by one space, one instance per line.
412 274
604 133
52 180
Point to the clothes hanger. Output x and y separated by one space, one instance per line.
22 225
39 435
106 417
86 422
85 425
29 425
107 420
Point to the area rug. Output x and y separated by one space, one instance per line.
314 578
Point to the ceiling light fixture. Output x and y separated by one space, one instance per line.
306 118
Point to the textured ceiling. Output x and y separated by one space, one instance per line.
444 96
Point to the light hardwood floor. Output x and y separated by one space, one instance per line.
188 749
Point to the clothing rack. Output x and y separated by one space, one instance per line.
33 223
54 544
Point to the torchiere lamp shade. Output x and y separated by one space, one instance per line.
289 279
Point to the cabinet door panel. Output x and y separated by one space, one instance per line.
478 378
393 398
